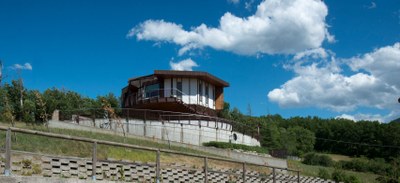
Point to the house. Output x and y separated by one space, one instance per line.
179 91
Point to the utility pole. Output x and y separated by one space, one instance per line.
21 100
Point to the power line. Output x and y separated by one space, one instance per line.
358 143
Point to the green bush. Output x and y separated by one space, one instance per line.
226 145
324 174
377 166
339 175
316 159
352 179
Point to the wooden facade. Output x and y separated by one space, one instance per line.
179 91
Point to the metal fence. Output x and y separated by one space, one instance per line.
206 170
126 114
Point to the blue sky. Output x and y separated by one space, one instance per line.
294 58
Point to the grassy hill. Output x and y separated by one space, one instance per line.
39 144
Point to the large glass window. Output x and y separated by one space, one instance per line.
152 90
207 93
200 91
179 88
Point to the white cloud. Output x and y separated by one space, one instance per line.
277 27
234 1
373 84
249 4
372 5
184 65
26 66
383 63
363 117
312 53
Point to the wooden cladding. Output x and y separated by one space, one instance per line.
219 98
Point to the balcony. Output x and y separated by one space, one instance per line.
166 100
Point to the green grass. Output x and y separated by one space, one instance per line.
227 145
338 157
53 146
312 171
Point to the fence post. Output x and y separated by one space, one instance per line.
244 172
158 168
7 170
127 119
93 117
94 160
273 175
205 170
298 176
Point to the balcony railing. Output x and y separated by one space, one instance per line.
137 97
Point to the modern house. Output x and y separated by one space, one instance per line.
179 91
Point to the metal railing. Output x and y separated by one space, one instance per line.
95 142
164 116
156 93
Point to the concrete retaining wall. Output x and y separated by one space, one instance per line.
194 132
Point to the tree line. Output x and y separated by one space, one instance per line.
299 135
18 103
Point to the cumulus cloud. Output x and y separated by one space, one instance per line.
277 27
373 83
184 65
312 53
26 66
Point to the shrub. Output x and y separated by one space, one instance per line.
226 145
352 179
340 176
324 174
316 159
377 166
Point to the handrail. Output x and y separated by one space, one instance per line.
177 114
139 94
118 144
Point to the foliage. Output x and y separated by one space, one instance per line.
330 134
340 176
6 110
324 174
377 166
314 170
41 114
316 159
226 145
38 107
304 140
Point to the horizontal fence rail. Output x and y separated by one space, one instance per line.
95 142
125 114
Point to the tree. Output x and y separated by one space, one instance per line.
15 91
7 110
302 139
225 112
40 105
271 136
28 111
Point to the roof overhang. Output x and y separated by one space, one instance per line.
192 74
